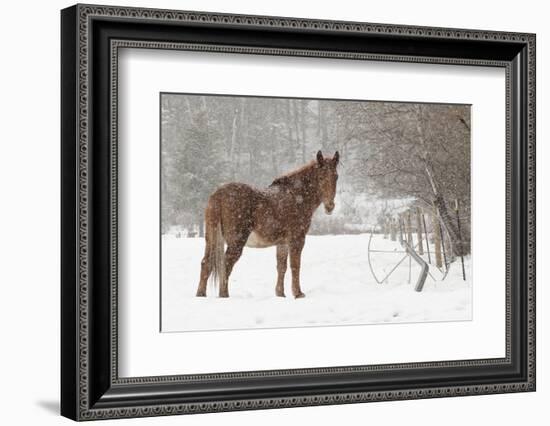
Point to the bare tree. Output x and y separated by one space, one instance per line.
415 150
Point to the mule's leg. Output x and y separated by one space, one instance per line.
206 268
296 247
232 254
282 255
212 241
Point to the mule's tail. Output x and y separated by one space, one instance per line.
216 250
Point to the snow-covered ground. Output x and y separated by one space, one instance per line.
335 276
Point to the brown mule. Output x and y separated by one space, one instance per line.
280 215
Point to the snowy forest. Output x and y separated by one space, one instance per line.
393 156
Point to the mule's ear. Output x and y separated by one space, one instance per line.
320 158
336 157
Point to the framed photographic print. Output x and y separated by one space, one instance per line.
263 212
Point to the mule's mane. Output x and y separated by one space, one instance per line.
295 175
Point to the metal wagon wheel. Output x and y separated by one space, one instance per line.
402 252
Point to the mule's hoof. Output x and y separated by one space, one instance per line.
201 293
299 295
224 295
280 294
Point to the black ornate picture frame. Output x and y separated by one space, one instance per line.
90 385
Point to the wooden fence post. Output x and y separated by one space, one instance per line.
460 239
419 231
409 229
437 239
393 232
444 243
427 239
400 229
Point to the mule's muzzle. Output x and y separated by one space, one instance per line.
329 207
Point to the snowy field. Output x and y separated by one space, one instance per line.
335 276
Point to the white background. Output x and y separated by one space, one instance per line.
146 352
29 222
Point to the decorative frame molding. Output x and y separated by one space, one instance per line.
91 388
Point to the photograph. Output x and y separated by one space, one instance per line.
281 212
274 208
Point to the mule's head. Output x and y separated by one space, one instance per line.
328 177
